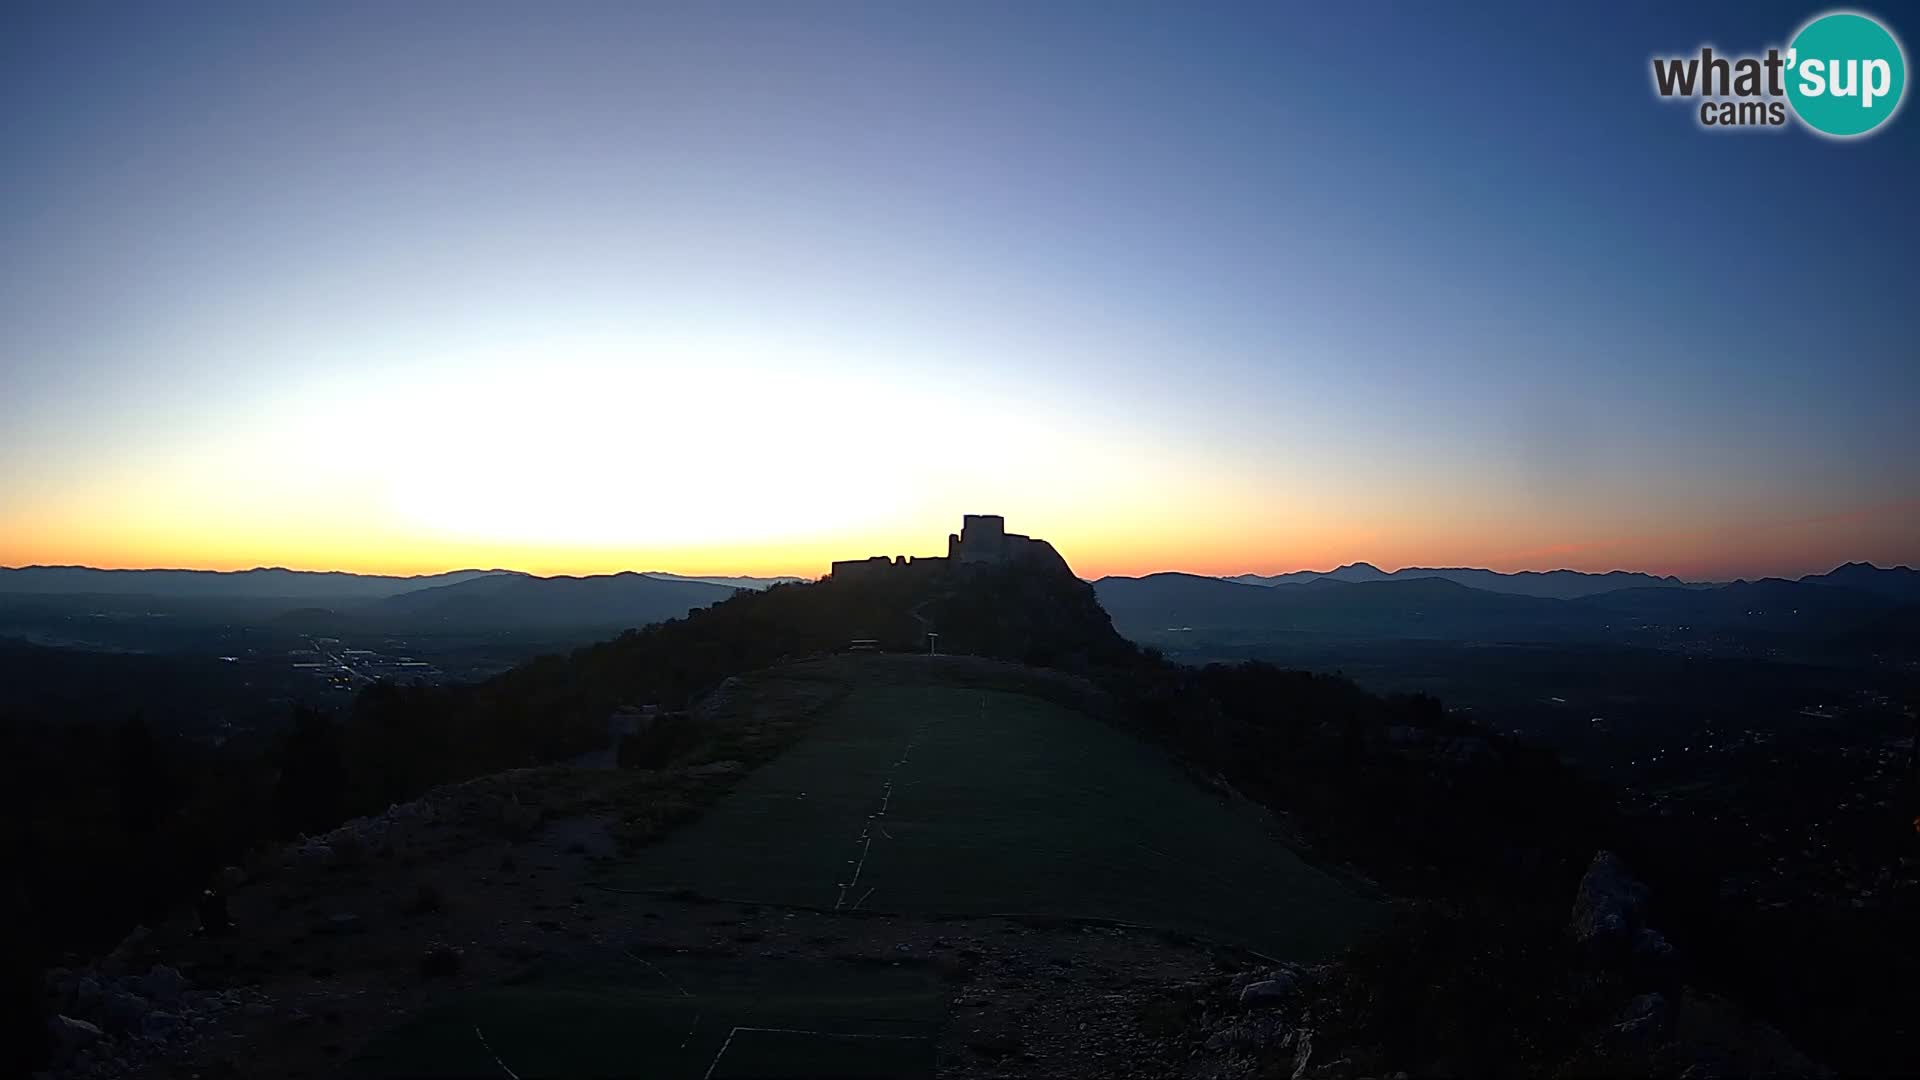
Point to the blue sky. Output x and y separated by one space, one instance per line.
1235 288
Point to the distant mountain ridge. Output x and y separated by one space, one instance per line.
1385 607
487 602
737 582
1770 602
261 581
1901 582
621 601
1412 604
278 582
1555 584
1354 600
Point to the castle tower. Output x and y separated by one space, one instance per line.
983 538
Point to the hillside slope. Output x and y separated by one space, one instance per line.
258 583
1771 604
1148 609
1900 583
524 601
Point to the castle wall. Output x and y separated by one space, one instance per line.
982 539
858 569
880 566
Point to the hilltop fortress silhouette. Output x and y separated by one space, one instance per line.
983 541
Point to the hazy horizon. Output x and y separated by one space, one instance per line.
756 287
813 574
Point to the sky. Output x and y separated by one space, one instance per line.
744 288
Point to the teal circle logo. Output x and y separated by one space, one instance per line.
1845 74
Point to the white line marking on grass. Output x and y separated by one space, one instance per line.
865 839
856 874
865 847
631 955
863 898
798 1031
723 1053
830 1034
496 1057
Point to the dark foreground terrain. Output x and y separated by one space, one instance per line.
1060 855
682 922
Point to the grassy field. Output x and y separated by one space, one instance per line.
947 800
920 787
677 1016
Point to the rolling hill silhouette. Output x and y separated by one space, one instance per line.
521 600
1900 582
1768 604
258 583
1414 607
736 582
1553 584
1396 606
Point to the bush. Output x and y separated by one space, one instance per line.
671 738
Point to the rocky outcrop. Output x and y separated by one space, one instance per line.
1609 907
1269 991
71 1035
112 1024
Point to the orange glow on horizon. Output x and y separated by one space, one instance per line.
1093 548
